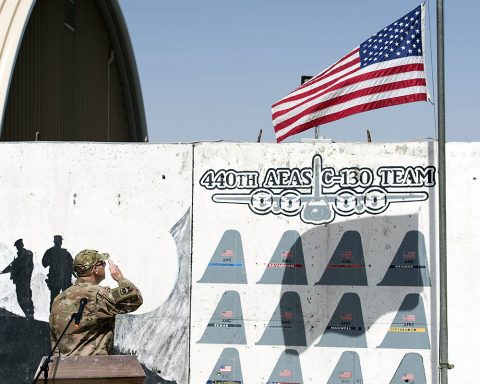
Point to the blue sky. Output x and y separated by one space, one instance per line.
210 70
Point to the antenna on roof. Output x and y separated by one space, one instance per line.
259 138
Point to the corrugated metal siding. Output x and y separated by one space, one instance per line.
118 121
60 82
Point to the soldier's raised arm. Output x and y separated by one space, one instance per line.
125 298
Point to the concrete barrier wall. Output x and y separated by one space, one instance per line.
463 196
304 262
132 201
289 285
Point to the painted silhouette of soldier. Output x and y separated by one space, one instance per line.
20 270
61 268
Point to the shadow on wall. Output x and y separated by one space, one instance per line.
339 280
349 275
352 284
161 341
20 355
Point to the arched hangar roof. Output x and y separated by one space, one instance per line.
14 17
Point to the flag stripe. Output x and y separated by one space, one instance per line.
385 70
357 101
422 96
339 96
345 101
400 73
339 70
292 100
344 62
315 82
373 69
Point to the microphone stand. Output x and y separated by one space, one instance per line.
44 368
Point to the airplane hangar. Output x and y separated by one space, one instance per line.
68 73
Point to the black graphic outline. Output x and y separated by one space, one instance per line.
319 207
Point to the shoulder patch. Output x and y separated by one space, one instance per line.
125 290
122 293
116 295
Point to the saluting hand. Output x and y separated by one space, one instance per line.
115 272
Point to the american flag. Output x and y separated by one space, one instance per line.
225 368
409 318
287 315
346 317
285 373
410 255
227 314
287 254
345 375
408 377
385 70
227 252
347 254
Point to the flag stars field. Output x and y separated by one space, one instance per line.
385 70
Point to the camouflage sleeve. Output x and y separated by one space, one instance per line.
123 299
53 336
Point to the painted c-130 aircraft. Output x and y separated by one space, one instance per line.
317 207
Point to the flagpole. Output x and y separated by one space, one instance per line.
443 331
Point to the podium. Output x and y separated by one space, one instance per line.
100 369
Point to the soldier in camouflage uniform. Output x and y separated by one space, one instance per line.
94 335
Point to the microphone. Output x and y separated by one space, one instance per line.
78 315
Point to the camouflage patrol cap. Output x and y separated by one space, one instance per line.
86 259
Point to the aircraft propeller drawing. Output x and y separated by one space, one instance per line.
318 207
